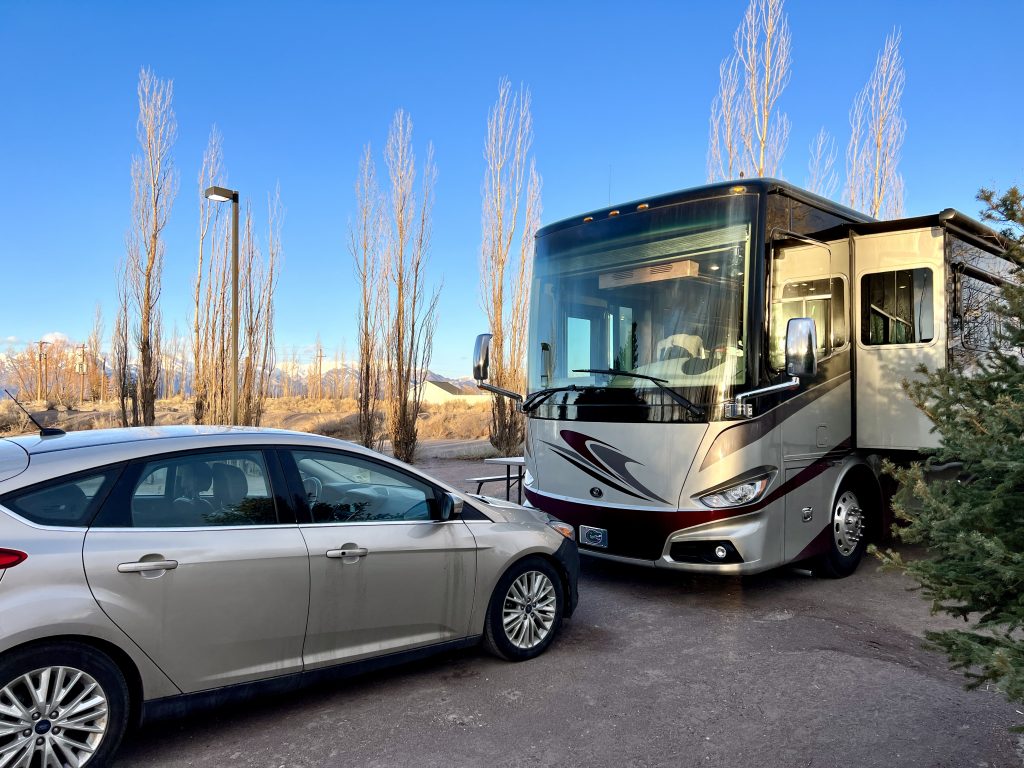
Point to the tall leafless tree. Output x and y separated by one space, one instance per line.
411 311
154 185
511 203
723 147
124 382
258 270
821 174
94 356
877 128
748 132
365 242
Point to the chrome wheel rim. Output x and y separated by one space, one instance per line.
847 523
529 610
50 718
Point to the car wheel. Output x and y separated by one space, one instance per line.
525 610
60 704
847 535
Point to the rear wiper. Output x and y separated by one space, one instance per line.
694 409
533 401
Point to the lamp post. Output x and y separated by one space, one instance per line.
222 195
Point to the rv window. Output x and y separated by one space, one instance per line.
897 307
824 301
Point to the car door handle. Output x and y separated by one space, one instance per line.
351 552
147 565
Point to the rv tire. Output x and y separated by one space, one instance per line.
847 539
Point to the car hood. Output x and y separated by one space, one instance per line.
502 511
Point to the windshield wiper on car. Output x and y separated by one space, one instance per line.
533 401
689 406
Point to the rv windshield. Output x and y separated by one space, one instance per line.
659 293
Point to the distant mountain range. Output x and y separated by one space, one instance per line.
293 379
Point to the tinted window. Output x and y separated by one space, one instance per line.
897 307
808 219
69 503
200 490
347 489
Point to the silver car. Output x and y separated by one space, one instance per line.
148 571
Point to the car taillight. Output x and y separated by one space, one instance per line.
11 557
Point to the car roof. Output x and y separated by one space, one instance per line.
56 455
95 438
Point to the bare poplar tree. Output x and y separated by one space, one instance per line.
123 382
97 376
748 132
511 202
211 331
724 126
411 311
154 185
210 174
821 174
877 129
365 240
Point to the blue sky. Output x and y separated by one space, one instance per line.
620 104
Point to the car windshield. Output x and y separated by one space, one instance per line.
656 293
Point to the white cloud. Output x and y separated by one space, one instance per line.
11 340
55 336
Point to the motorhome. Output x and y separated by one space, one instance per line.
715 375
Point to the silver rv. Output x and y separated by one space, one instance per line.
714 376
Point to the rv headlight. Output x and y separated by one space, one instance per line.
744 493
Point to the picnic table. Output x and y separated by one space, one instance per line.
509 462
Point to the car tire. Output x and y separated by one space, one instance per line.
83 674
525 611
848 528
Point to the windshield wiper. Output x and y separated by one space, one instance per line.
533 401
689 406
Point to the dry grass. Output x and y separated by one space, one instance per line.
334 418
454 420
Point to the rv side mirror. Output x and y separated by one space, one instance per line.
481 356
801 348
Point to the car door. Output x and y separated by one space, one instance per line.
384 575
202 566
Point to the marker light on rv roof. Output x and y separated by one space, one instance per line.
587 219
613 213
737 190
643 207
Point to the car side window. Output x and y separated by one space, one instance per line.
341 488
70 503
226 488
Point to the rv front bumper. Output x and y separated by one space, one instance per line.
733 541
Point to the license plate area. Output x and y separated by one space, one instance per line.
594 537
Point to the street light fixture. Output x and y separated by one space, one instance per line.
222 195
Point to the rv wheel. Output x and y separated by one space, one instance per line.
847 539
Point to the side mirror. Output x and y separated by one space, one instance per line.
801 348
449 508
482 356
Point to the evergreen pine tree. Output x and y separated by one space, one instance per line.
973 526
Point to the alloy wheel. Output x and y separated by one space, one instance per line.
50 718
529 610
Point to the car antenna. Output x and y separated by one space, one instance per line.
43 431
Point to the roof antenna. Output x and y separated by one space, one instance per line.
43 431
